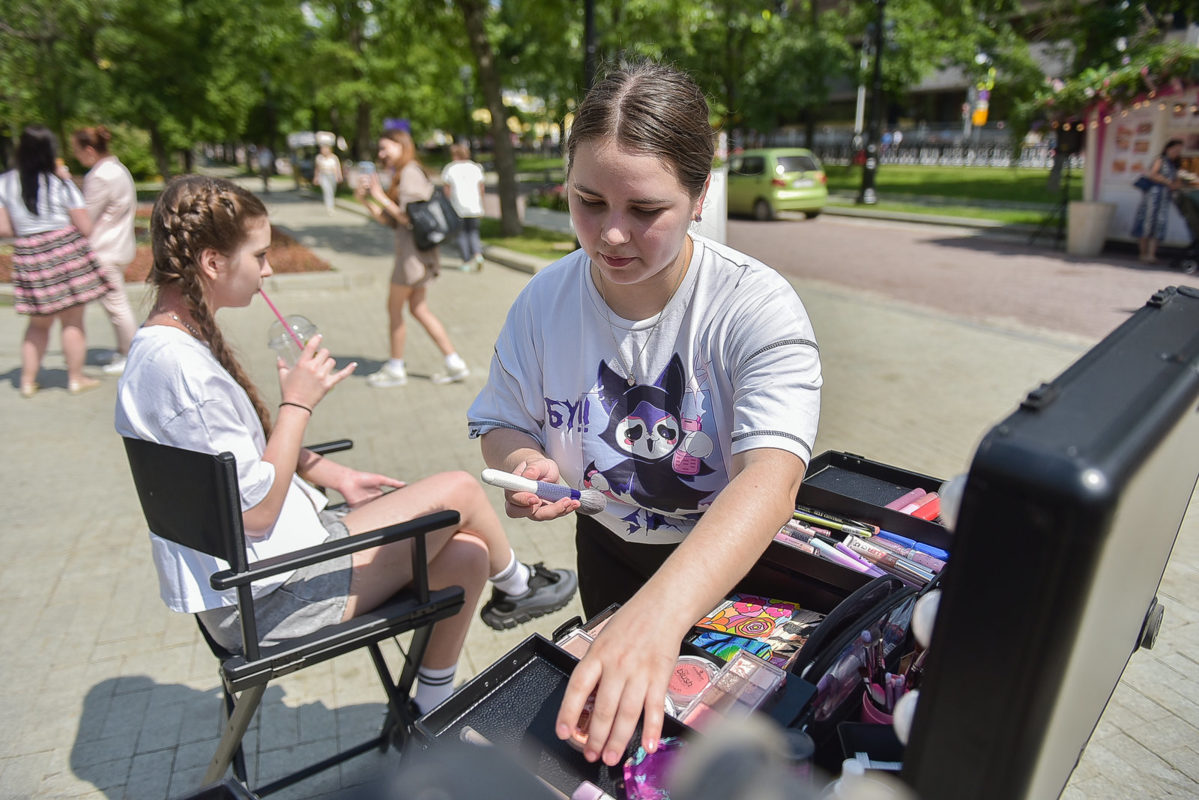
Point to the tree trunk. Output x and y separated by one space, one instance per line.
474 12
362 130
161 157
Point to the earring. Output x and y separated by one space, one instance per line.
697 218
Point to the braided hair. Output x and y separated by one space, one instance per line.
195 213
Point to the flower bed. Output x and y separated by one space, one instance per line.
286 254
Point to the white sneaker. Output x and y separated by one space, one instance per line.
478 263
386 377
114 367
452 376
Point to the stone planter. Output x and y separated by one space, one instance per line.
1087 227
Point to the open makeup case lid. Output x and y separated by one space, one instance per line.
1070 511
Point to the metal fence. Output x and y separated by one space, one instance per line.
952 155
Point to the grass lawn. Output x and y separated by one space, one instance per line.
532 241
1007 216
974 186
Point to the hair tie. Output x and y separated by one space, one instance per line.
297 405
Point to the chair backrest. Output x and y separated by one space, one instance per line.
190 498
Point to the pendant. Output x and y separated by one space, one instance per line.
630 381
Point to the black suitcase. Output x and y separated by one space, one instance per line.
1071 508
1070 512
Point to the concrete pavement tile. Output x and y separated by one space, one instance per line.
161 728
276 763
1103 788
150 775
190 755
187 780
279 726
1184 757
80 782
1164 735
21 775
316 721
1144 707
1127 760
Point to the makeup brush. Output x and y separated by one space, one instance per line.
590 500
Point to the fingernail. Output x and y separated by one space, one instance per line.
652 747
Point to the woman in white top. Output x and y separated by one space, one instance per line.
464 185
326 171
55 271
679 377
112 205
183 386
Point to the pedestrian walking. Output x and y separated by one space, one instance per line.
55 271
327 175
465 186
414 269
266 167
111 200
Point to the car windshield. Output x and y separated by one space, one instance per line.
796 164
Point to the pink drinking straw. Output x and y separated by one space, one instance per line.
282 321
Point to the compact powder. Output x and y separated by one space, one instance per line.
691 676
578 736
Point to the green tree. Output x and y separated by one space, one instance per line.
45 76
475 18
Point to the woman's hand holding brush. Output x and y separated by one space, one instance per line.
584 501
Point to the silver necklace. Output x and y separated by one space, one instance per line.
630 378
190 328
187 325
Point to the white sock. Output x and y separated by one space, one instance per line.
433 686
454 362
395 365
512 579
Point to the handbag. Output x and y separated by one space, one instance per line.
1144 183
433 220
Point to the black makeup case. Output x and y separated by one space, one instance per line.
1070 511
1069 516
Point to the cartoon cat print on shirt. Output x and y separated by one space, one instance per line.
645 431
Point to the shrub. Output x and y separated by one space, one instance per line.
551 197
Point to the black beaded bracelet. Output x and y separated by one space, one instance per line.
297 405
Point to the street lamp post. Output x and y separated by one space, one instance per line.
867 195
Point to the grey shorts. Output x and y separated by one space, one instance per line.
312 598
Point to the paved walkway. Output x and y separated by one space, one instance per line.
105 694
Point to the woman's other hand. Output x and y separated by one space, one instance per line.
627 668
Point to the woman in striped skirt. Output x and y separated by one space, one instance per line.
54 270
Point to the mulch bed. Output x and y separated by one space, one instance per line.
286 254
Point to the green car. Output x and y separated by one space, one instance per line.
762 182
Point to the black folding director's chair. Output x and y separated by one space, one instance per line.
192 499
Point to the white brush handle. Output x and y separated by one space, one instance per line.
515 483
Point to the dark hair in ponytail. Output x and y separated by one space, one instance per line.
195 213
35 162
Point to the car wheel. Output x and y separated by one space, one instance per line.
811 214
762 210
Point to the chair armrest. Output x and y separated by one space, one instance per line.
231 579
335 446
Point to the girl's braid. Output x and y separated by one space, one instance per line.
193 214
